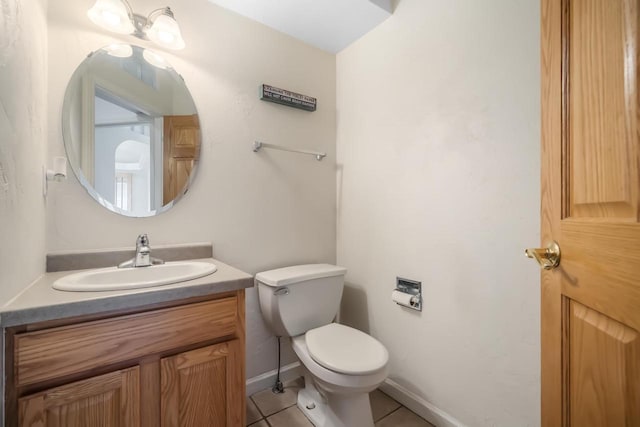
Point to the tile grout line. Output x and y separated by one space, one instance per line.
389 414
264 417
257 407
260 412
281 410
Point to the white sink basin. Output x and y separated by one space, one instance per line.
113 278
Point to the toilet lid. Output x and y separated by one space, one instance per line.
346 350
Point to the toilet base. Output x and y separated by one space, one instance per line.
334 410
312 406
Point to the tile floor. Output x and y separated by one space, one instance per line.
266 409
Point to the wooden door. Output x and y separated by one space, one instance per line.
203 387
111 400
590 189
181 142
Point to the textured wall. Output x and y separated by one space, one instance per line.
438 153
261 211
23 120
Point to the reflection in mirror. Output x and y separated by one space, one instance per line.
131 130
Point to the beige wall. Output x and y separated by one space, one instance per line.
261 211
438 154
23 121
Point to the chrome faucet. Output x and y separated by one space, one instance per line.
143 256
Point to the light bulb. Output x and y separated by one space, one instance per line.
111 15
166 37
119 50
110 18
155 59
165 31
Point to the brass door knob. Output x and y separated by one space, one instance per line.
548 257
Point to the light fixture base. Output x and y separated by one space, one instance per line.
140 23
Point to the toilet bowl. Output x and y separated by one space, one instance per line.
340 398
341 365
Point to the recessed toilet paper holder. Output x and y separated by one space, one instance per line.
413 288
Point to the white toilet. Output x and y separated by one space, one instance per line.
342 365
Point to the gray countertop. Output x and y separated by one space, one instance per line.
40 302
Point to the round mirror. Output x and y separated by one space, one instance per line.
131 130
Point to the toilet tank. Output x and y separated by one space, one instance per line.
298 298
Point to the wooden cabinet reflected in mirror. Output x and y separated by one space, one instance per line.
131 130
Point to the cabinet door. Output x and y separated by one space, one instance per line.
203 387
108 400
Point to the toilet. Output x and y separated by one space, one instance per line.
341 364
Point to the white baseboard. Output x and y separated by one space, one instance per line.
426 410
268 379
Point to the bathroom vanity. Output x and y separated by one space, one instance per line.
164 356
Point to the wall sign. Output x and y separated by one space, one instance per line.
285 97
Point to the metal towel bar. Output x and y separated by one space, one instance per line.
257 145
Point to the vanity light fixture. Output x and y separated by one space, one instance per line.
113 15
164 29
160 26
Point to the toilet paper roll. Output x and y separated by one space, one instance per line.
401 298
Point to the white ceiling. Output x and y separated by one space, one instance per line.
330 25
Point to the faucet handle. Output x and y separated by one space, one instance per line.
142 240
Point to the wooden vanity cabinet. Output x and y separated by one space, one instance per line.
172 365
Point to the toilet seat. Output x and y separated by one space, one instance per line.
346 350
332 380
